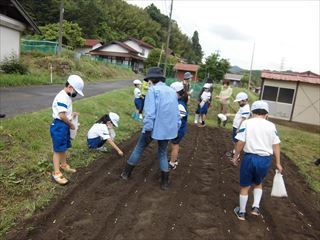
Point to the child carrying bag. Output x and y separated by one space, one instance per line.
278 187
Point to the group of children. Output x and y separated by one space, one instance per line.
253 134
63 116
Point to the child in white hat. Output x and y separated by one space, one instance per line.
138 99
103 131
203 106
183 110
259 140
242 114
62 123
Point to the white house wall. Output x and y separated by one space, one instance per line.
307 106
138 48
114 48
9 36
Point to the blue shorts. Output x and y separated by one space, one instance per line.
138 102
60 134
95 142
234 134
178 139
254 169
202 110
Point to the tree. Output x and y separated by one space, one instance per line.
196 47
71 33
154 59
215 67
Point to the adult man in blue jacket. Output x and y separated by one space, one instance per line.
161 123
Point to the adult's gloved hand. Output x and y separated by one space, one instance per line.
147 134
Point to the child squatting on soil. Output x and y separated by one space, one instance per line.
179 88
203 105
60 128
259 140
103 131
161 123
138 100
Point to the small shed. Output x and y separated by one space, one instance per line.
292 96
14 20
234 79
182 68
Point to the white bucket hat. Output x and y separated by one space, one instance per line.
77 83
177 86
114 118
241 96
222 117
260 105
137 81
207 85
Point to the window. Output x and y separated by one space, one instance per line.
143 52
286 95
270 93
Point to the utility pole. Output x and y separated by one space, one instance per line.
168 41
61 27
160 55
254 44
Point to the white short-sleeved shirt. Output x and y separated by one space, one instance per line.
137 92
62 103
205 96
259 136
101 130
243 112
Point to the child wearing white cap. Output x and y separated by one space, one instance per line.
62 123
259 140
103 131
183 110
204 102
242 114
138 99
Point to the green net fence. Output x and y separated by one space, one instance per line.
38 46
196 86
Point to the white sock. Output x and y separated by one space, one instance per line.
257 194
243 202
196 118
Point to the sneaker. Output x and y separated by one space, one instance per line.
59 178
240 215
172 166
102 149
255 211
67 168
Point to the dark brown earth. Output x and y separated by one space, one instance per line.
199 205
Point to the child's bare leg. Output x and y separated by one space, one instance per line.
57 158
174 153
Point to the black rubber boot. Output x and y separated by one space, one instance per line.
126 171
164 180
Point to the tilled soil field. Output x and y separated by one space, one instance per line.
199 205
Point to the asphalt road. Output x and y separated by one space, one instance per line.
18 100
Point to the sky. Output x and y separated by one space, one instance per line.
285 35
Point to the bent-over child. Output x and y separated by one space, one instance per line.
102 131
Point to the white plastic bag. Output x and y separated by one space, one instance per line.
73 132
278 187
202 104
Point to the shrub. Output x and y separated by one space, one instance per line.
13 65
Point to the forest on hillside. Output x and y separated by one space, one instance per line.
109 20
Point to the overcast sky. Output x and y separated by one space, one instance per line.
285 32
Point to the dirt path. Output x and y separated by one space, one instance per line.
199 204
